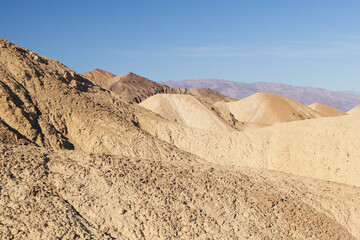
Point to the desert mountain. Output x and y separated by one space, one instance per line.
265 109
135 88
354 111
97 75
326 110
52 106
97 167
131 87
187 110
305 95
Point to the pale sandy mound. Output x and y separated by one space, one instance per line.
327 110
265 109
355 111
49 194
323 148
185 109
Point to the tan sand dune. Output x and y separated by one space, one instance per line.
326 110
355 111
187 110
265 109
114 180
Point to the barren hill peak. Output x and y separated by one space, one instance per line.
266 109
97 74
326 109
187 110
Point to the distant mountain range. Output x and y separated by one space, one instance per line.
307 95
135 88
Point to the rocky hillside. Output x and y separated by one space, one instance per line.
305 95
80 162
131 87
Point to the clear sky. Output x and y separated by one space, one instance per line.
305 42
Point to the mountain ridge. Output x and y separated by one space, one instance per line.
341 100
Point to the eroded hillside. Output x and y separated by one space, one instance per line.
62 194
80 162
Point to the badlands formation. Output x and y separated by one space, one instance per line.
79 161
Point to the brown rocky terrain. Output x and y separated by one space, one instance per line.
135 88
80 162
305 95
131 86
98 75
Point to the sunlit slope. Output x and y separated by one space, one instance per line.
324 148
327 110
185 109
355 111
265 109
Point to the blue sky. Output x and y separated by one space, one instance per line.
303 43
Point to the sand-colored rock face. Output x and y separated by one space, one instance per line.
323 148
11 136
65 194
265 109
355 111
187 110
327 110
130 178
